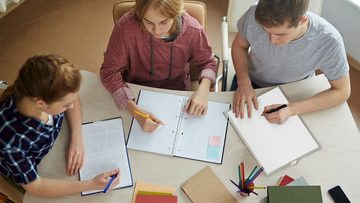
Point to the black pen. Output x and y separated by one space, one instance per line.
276 109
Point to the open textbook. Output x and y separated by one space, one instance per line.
273 145
105 151
200 138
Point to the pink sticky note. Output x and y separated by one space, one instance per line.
214 140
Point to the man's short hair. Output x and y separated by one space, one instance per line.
274 13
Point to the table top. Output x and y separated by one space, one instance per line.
336 163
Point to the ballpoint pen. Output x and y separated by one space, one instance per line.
276 109
108 185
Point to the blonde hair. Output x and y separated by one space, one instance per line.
47 77
169 8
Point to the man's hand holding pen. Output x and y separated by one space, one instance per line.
276 113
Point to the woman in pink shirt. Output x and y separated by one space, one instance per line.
152 45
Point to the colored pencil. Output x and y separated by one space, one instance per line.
254 176
239 172
243 175
238 186
251 174
257 187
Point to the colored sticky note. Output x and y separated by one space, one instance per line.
213 152
215 140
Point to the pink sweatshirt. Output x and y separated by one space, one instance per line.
134 56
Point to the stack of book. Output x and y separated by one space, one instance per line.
294 190
152 193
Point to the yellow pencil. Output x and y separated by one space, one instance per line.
256 187
146 116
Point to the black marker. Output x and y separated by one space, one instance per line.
276 109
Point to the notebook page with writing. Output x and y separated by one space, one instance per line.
273 145
195 133
166 108
105 151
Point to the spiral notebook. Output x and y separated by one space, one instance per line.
274 145
105 151
199 138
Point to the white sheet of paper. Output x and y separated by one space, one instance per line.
273 145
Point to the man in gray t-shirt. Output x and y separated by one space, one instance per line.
287 44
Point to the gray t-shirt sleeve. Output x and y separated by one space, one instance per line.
243 24
333 62
247 26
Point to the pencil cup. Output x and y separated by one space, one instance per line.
247 190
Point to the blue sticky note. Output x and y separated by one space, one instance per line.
213 152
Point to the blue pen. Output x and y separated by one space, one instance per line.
108 185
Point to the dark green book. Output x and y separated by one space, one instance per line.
294 194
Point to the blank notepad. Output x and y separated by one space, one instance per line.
199 138
273 145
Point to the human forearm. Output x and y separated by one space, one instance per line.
73 116
132 107
239 53
54 188
205 84
245 94
337 94
323 100
76 150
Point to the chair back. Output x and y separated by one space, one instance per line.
195 8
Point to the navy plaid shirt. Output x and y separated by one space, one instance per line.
24 142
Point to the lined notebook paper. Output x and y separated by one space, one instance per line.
105 151
273 145
200 138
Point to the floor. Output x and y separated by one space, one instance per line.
79 31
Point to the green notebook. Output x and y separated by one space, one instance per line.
294 194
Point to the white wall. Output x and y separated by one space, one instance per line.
345 16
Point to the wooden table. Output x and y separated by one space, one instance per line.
336 163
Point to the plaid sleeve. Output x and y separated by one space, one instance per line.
21 169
